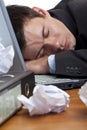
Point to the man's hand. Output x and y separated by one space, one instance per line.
38 66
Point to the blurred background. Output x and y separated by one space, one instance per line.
39 3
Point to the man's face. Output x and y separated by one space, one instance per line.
45 36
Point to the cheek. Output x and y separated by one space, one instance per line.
31 51
26 55
57 31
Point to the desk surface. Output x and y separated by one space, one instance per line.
75 117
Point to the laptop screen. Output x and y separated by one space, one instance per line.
7 37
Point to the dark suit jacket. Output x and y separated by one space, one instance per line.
73 13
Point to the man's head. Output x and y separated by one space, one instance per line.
38 33
19 15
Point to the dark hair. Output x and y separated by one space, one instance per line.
18 15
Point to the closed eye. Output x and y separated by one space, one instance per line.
40 53
45 32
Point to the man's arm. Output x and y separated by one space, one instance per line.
38 66
72 63
68 63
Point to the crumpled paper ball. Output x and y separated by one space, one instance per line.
83 93
45 99
6 58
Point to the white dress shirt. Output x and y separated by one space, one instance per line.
51 63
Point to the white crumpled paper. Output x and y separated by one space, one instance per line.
83 93
45 99
6 58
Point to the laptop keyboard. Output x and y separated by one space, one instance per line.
50 79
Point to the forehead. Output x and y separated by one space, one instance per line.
33 24
33 29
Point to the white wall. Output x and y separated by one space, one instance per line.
45 4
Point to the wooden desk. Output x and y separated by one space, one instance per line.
74 118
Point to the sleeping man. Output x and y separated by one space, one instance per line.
53 41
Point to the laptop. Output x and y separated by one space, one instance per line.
18 80
60 82
7 37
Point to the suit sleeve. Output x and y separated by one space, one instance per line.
71 63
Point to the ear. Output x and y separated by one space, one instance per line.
41 11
